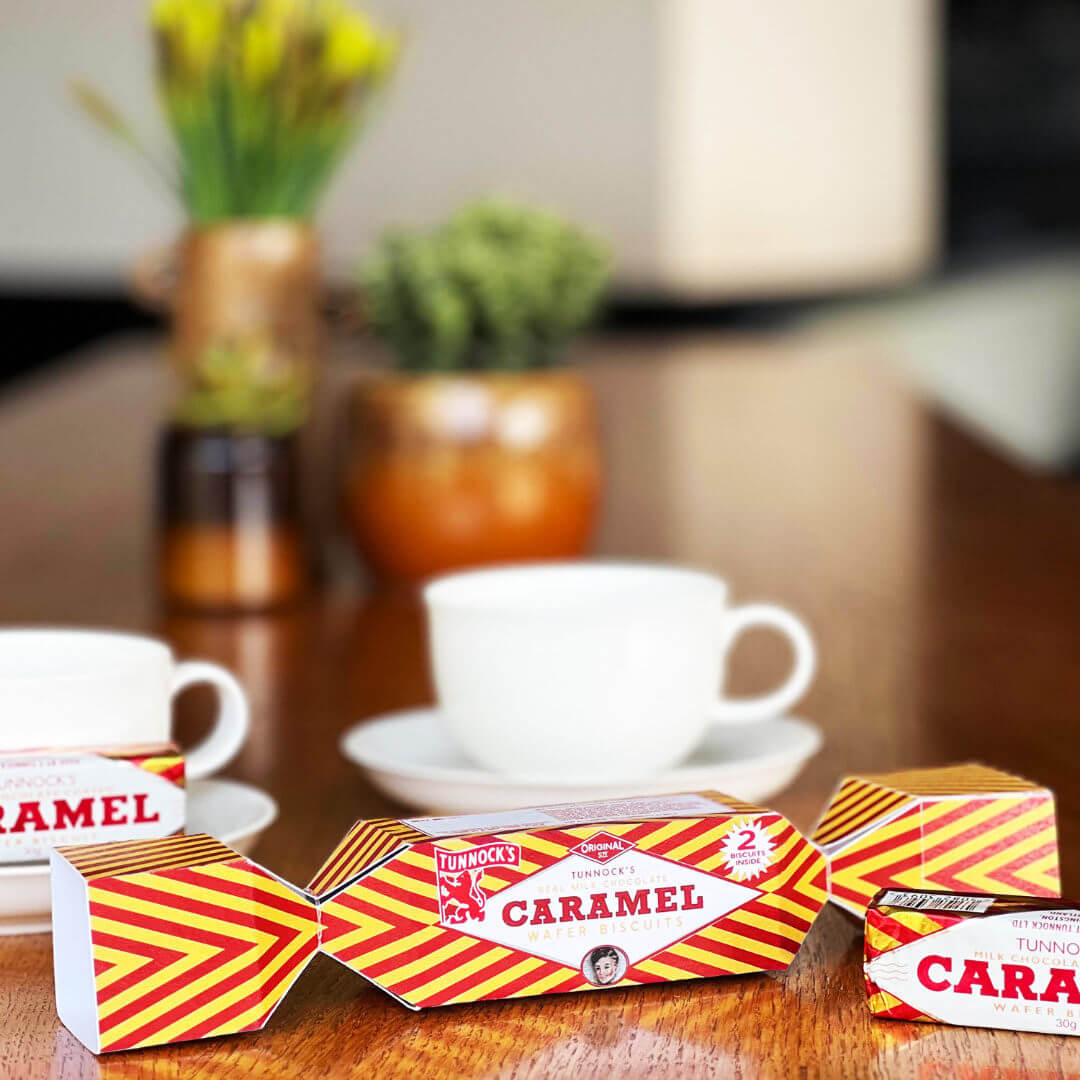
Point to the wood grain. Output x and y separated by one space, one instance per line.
942 584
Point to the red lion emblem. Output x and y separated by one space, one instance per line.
460 896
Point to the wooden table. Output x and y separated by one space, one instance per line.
942 584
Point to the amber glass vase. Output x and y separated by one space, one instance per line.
229 528
446 471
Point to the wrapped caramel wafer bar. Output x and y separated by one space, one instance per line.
975 960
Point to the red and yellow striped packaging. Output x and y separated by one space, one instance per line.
54 797
443 911
182 938
961 828
161 941
975 960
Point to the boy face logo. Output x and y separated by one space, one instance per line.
604 966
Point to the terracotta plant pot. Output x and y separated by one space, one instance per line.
445 471
241 283
229 531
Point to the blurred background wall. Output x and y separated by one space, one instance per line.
729 151
724 148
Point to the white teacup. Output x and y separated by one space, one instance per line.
585 670
83 688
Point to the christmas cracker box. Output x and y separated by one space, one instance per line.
182 938
980 961
964 828
568 898
49 798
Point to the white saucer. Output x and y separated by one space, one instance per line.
409 756
235 813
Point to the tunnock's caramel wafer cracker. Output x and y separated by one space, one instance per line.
960 828
182 938
981 961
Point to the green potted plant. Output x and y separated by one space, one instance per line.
481 447
262 99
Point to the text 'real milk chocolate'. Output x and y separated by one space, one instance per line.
49 798
962 828
435 911
974 960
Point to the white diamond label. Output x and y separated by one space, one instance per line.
634 904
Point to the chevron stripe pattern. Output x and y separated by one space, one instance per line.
856 806
960 829
364 844
126 856
968 779
199 946
385 925
888 929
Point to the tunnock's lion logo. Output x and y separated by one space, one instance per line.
459 873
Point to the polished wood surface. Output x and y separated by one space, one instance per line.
942 583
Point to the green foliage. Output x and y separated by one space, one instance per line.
498 286
239 386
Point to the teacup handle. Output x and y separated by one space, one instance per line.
231 726
776 702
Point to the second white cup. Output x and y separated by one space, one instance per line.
88 688
593 670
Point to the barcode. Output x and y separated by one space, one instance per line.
936 902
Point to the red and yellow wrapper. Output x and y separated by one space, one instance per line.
975 960
438 912
963 828
183 939
162 941
49 798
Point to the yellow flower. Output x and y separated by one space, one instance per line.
262 45
282 12
191 30
203 32
351 43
